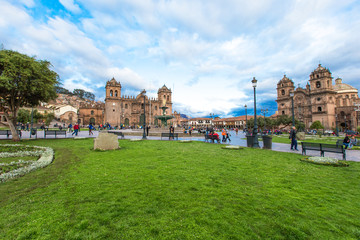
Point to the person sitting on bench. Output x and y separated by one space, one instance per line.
346 141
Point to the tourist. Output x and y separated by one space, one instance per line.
352 142
223 133
76 129
147 130
172 130
293 139
70 127
227 136
237 131
346 141
90 129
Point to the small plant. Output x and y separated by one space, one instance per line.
326 161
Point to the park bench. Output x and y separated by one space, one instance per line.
8 133
170 135
212 138
54 133
117 133
322 148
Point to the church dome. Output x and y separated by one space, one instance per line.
343 87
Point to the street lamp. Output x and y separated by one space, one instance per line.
246 122
264 111
336 123
345 122
144 134
292 107
256 141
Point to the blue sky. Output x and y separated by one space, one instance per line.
207 52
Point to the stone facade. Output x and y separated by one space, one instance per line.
91 113
320 101
129 110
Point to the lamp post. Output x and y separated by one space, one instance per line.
345 122
336 125
144 133
264 111
256 141
246 127
292 107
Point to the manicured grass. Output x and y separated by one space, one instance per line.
173 190
284 138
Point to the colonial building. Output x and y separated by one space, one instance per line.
320 100
129 110
91 113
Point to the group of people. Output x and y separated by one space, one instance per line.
349 142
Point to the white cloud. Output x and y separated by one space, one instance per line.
205 48
71 6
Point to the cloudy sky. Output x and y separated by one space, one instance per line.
207 52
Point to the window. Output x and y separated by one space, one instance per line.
318 99
283 112
92 112
319 109
113 110
282 104
116 93
318 84
168 98
155 107
111 93
283 92
142 106
126 106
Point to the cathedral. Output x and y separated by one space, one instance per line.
129 110
320 100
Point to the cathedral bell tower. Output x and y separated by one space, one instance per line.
164 97
112 102
284 87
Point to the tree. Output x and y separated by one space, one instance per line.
23 116
90 96
317 125
79 92
48 118
24 81
62 90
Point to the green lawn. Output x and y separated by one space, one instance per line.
284 138
173 190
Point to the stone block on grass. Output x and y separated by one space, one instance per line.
106 141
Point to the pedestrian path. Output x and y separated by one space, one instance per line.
238 140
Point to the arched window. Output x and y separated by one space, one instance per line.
126 106
142 106
92 112
283 112
318 84
116 93
319 109
164 97
168 98
283 92
111 93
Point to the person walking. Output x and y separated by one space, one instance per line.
293 139
147 130
223 133
227 136
70 127
90 129
76 129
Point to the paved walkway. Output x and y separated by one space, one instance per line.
351 155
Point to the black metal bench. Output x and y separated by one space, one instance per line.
54 133
323 147
8 133
212 138
117 133
170 135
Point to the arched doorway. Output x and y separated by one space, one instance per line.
127 122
